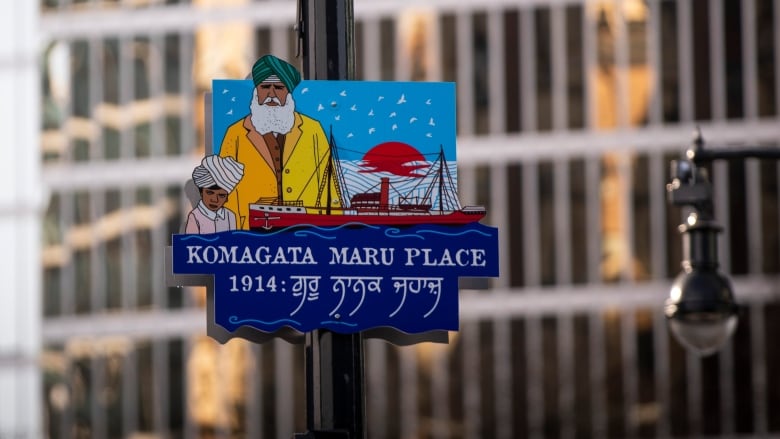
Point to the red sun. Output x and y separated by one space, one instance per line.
397 158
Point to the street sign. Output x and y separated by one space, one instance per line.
332 205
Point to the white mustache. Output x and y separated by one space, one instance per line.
272 99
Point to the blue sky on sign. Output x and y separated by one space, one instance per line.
361 114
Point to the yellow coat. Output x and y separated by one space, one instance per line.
306 153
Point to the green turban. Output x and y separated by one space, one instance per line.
270 65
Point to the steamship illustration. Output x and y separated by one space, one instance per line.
436 203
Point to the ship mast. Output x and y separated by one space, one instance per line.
329 172
441 178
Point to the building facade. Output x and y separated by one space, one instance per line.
568 115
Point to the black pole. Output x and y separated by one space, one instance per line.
334 362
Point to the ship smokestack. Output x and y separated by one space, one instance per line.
384 194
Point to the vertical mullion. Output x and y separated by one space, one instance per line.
440 380
156 72
410 389
694 385
563 274
465 73
284 383
66 422
560 73
566 376
684 59
98 292
630 377
502 337
755 231
622 66
97 384
401 57
661 373
496 62
472 398
720 188
531 226
130 391
528 70
160 348
776 27
654 60
750 78
533 277
598 378
720 195
593 217
434 71
589 61
161 404
67 213
186 93
371 49
127 196
717 60
378 391
279 39
758 362
563 237
190 429
627 213
254 404
726 382
535 376
658 247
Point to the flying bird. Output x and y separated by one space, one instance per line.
428 135
371 130
230 112
305 90
380 98
371 113
320 107
233 99
338 117
343 93
395 127
413 120
350 135
224 90
431 123
392 114
353 107
402 99
428 102
333 103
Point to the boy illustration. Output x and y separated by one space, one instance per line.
215 177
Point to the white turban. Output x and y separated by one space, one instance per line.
224 172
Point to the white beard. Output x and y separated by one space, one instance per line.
277 119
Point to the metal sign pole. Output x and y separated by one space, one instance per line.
334 362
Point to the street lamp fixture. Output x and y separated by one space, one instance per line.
701 309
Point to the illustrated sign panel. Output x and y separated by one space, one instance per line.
333 204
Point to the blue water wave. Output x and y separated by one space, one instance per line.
461 233
333 322
393 232
207 238
235 320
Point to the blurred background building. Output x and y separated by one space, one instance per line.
568 114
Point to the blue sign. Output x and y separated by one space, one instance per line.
332 205
346 279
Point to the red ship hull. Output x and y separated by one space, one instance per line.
271 217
